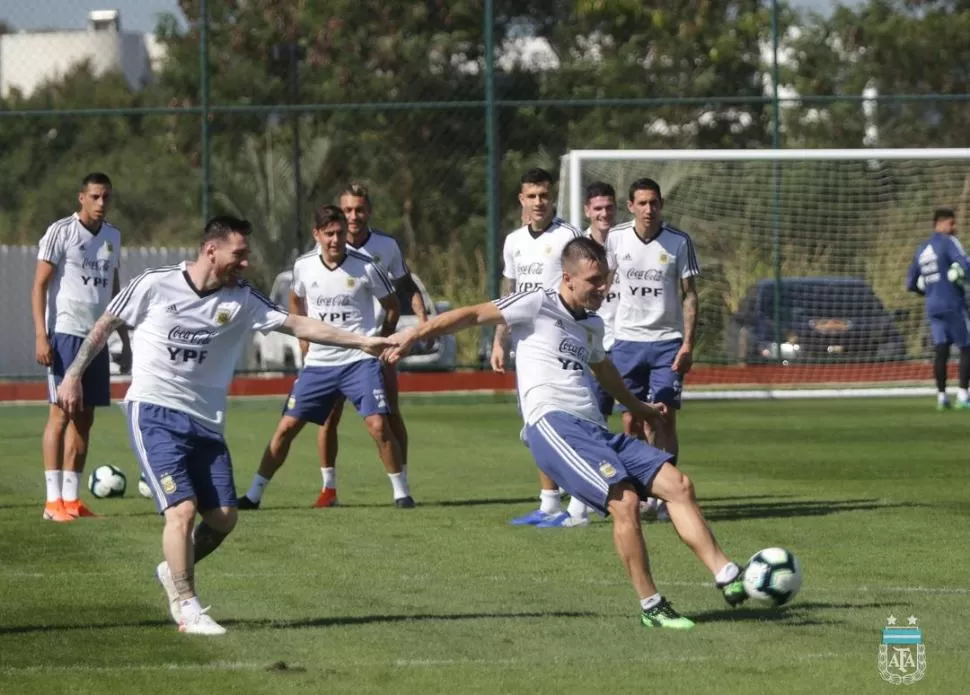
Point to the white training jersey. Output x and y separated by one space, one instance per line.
82 284
607 310
649 274
553 355
344 297
387 254
186 343
534 261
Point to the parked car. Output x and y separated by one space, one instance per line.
821 319
276 351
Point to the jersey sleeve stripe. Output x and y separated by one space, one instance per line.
52 235
265 300
505 302
385 278
117 305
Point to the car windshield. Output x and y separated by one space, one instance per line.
829 300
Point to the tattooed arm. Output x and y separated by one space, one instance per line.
69 395
685 356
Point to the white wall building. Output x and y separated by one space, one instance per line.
28 59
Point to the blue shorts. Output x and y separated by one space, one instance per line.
96 380
586 459
646 370
316 390
604 401
951 329
180 458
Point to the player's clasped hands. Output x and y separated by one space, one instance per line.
401 345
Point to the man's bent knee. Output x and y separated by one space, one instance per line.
378 427
624 503
182 513
222 519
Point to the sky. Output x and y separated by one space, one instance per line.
141 15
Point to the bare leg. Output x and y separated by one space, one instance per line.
398 428
677 491
177 546
76 438
279 446
624 508
379 428
327 443
53 441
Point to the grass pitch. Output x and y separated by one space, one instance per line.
871 495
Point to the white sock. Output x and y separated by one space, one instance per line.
54 484
329 477
400 485
650 601
256 489
941 397
191 607
963 395
577 508
549 501
727 574
69 486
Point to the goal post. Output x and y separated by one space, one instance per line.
803 256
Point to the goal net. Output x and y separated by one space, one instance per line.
803 259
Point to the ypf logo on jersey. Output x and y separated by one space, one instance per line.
902 654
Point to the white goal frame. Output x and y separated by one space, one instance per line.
572 162
571 169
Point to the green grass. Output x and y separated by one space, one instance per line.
871 495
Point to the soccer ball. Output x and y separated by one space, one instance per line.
107 481
773 575
143 488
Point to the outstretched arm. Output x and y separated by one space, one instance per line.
69 395
314 331
607 374
484 314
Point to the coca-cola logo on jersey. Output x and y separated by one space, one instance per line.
650 274
184 335
339 300
568 347
100 266
530 269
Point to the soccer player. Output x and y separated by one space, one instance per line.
384 250
932 274
600 210
75 278
655 267
560 342
338 286
191 322
532 260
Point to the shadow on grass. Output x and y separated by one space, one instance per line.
482 502
799 613
333 621
774 510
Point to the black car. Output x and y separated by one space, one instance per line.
822 319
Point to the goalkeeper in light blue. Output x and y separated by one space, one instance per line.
937 273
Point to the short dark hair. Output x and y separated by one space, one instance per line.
535 176
583 248
357 190
96 177
328 214
221 226
644 184
599 189
943 214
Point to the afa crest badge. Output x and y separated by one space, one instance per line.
222 318
168 484
607 470
351 282
664 258
902 653
291 403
